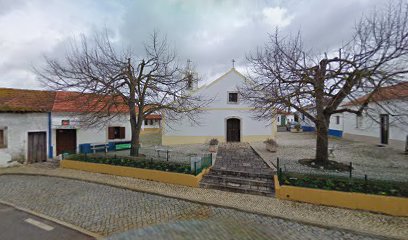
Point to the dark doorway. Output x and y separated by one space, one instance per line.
385 125
37 147
283 120
66 141
233 130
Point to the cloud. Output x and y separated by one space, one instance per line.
276 16
210 33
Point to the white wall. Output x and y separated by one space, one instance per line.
213 120
288 119
333 121
369 125
85 134
18 126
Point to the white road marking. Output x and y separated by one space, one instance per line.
39 224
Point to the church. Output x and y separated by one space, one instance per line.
227 118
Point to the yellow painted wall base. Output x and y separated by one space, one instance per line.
396 206
175 140
150 130
148 174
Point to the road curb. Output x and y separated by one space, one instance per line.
301 221
65 224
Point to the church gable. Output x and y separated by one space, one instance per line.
224 91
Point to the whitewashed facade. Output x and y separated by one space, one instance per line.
226 118
368 126
15 128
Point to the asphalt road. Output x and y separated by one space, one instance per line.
18 225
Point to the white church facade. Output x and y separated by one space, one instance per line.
227 118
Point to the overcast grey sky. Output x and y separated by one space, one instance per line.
210 32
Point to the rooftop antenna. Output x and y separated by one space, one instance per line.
233 63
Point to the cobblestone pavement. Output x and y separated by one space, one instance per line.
106 210
381 163
360 221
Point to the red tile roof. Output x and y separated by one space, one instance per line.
22 100
398 91
77 102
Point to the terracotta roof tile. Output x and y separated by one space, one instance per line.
21 100
398 91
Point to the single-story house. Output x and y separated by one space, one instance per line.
36 125
384 121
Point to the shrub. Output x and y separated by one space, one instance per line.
134 162
344 184
271 141
214 141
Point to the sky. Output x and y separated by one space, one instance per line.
211 33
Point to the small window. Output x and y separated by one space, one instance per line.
146 122
337 120
232 97
2 138
359 121
116 132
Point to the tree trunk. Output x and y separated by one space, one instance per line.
322 140
136 125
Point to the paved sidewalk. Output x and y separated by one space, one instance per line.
106 210
327 216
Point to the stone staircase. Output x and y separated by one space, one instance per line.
239 169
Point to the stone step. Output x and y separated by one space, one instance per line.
250 183
251 173
238 189
263 182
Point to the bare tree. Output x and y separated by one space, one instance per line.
286 74
109 83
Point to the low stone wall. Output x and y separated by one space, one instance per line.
395 206
147 174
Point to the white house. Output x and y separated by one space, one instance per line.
226 118
284 118
336 127
24 128
385 120
36 125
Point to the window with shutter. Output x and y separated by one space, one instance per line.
111 133
2 140
116 133
122 133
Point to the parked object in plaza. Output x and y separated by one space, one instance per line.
271 145
213 145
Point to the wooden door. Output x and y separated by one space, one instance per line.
385 125
37 147
66 141
233 130
283 120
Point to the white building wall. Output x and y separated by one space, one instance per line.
213 119
368 127
85 134
17 126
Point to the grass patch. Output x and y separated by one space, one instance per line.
137 162
344 184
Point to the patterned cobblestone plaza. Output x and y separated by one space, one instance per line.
126 214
